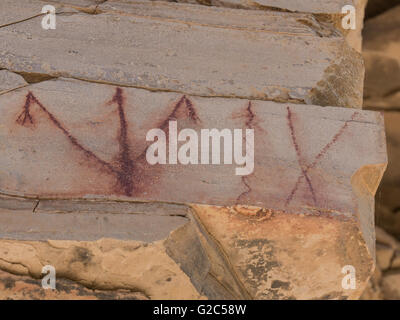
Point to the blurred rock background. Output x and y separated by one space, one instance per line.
381 51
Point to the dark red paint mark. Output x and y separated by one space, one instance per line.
25 114
250 117
125 163
192 112
125 169
320 154
299 156
177 111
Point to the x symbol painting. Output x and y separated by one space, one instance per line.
306 168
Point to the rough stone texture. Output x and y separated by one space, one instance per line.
14 287
354 37
325 7
382 83
10 81
373 290
106 264
306 67
384 256
150 222
391 286
13 12
385 283
310 197
395 263
328 11
388 204
74 168
381 52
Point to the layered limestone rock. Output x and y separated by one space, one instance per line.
90 209
322 7
298 63
332 11
324 13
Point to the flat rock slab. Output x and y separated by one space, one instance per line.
308 6
323 13
314 6
56 124
95 220
309 198
19 11
304 63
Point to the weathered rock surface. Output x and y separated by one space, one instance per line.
382 83
384 284
391 286
327 11
384 256
310 197
107 264
14 287
73 153
381 51
373 290
325 7
354 37
300 64
10 81
388 205
13 12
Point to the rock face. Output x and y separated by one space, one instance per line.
10 81
382 60
308 191
298 63
24 287
326 7
77 188
384 284
325 11
382 83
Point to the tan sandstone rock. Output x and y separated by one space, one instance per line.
13 287
381 52
373 290
396 260
384 256
391 286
